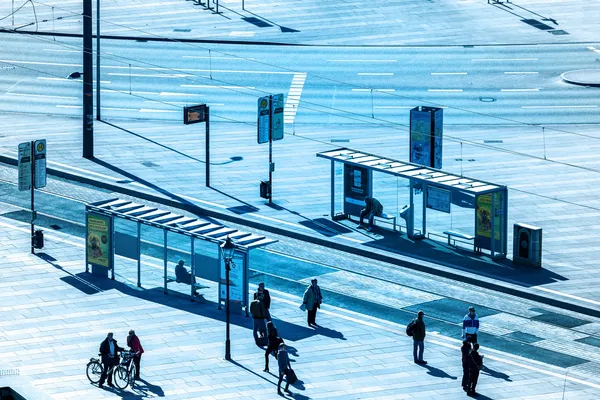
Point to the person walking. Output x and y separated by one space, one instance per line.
274 342
259 314
373 208
284 368
266 298
312 300
470 325
419 338
133 342
475 365
109 350
466 353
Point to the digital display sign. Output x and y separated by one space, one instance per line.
194 114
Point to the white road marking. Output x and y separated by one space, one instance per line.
152 110
177 94
519 90
65 106
369 61
567 295
180 103
448 73
374 90
63 51
444 90
242 33
46 78
505 59
588 106
592 48
219 58
40 63
394 107
217 87
521 73
152 75
293 98
41 96
375 73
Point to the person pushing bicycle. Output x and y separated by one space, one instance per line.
136 347
109 350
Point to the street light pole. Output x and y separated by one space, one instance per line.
88 85
228 249
98 60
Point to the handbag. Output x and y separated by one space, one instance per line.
291 376
303 307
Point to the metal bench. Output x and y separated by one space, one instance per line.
455 234
387 217
171 278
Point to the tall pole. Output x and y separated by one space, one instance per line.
32 194
207 144
98 60
88 78
270 150
227 340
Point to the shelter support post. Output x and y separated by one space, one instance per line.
332 188
139 254
193 268
165 259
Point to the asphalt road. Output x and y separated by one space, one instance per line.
513 325
337 85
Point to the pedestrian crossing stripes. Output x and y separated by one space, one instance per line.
293 98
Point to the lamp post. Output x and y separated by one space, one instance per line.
227 248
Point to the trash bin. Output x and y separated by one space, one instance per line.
527 245
265 189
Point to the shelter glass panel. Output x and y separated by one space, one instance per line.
126 250
152 253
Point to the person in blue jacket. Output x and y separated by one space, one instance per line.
470 326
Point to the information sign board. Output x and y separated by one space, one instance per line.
277 106
24 166
264 115
194 114
438 199
420 137
39 150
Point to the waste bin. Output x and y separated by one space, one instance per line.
527 245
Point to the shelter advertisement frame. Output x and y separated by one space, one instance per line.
358 184
239 285
99 241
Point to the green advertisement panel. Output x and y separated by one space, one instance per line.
99 240
483 220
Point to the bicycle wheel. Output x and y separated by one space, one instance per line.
94 371
121 377
132 373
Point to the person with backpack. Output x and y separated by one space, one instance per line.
475 365
416 329
259 314
274 342
465 350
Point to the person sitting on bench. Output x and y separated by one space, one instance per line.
373 208
182 275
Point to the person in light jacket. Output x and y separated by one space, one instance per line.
312 300
470 325
284 367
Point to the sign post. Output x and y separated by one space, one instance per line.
32 175
193 115
270 128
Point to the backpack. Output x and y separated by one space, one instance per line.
410 328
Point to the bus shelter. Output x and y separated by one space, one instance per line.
103 242
433 188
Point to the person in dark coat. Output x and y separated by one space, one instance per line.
259 314
373 208
274 342
134 344
266 298
419 339
312 301
109 350
465 351
475 365
284 366
183 276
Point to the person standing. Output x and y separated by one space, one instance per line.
284 367
470 325
266 298
373 208
312 300
259 314
274 341
133 342
475 365
109 350
466 353
419 338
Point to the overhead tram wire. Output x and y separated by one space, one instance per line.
195 45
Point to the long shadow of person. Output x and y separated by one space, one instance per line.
292 350
479 396
299 385
331 333
496 374
148 387
438 373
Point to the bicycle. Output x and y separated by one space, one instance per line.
123 373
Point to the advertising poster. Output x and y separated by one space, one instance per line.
420 138
236 278
356 188
483 210
438 124
98 240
